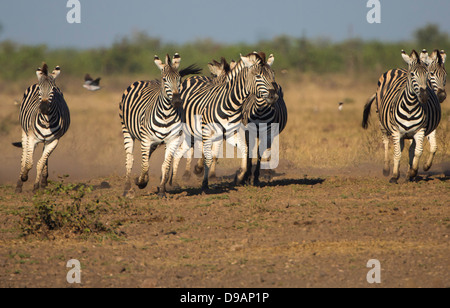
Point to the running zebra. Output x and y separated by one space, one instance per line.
44 117
220 108
407 109
437 76
256 111
264 116
150 112
219 71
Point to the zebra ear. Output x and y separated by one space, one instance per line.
443 56
56 72
213 69
406 58
247 61
39 73
159 63
270 60
176 61
232 64
424 57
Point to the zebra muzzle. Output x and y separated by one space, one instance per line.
442 95
176 100
273 97
44 106
423 96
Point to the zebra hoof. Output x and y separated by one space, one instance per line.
205 188
141 184
24 177
18 190
35 187
186 176
393 181
130 194
198 170
256 183
426 167
411 174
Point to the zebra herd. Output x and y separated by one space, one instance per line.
201 111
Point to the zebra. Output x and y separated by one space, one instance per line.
44 118
220 108
150 112
256 110
437 76
264 116
219 71
407 109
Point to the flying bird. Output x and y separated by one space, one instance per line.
91 84
341 105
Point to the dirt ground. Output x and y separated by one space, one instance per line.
315 222
299 230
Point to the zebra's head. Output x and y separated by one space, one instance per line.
261 78
417 75
47 86
171 78
436 72
219 70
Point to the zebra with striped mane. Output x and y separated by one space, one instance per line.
150 112
44 118
256 111
437 77
407 109
220 108
219 71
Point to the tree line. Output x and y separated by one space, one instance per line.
133 55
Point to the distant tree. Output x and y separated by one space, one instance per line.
430 36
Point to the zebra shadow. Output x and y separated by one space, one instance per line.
226 183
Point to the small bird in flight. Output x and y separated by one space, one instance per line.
341 105
91 84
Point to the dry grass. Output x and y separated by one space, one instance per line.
317 136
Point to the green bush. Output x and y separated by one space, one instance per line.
62 207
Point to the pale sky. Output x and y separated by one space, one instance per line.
180 21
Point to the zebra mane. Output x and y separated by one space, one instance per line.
44 69
439 58
261 55
190 70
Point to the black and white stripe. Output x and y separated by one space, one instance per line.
150 112
220 107
258 117
44 118
407 108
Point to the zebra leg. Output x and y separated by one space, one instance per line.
28 146
216 149
129 146
208 157
433 149
387 167
179 153
48 149
171 148
199 166
415 152
242 146
187 170
146 151
399 144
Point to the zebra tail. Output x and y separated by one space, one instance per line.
17 144
366 114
